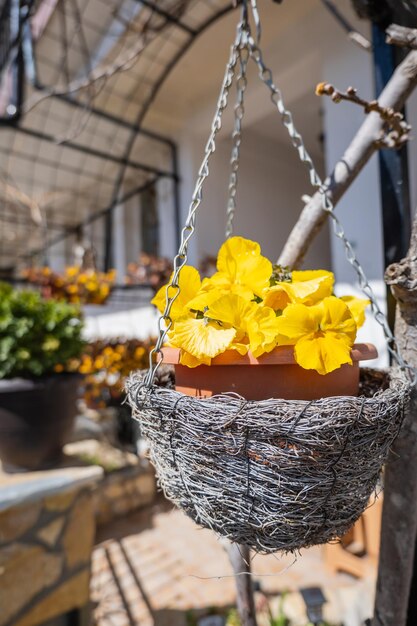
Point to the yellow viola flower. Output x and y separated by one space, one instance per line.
232 310
357 307
191 361
307 287
204 299
322 334
240 263
263 330
220 284
201 338
190 284
256 327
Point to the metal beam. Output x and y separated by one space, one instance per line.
92 218
169 18
118 121
11 218
125 162
169 67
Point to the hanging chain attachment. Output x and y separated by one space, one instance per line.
265 75
239 111
173 288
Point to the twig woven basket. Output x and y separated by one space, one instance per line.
274 474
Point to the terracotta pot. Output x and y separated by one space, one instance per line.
36 419
272 375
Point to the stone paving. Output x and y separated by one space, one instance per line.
153 567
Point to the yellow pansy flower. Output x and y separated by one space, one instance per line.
204 299
256 327
322 334
191 361
232 310
357 307
307 287
202 338
189 282
241 264
220 284
263 330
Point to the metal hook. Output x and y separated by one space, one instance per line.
257 20
244 23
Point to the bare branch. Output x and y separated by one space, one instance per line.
402 36
397 129
362 147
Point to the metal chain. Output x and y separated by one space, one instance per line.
297 141
165 320
239 111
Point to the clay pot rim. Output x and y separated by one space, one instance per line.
282 355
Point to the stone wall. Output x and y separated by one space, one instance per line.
46 541
128 482
47 528
123 491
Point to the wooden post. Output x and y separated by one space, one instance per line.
240 559
399 516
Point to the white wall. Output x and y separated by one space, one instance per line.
270 185
359 210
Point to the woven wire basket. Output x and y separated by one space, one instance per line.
273 474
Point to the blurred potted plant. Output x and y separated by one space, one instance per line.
149 270
105 364
40 342
75 285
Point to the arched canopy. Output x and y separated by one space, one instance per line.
75 146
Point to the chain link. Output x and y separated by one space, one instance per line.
315 180
239 111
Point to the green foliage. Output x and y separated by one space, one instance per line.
37 336
232 618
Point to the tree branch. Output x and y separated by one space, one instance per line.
402 36
399 515
240 560
397 129
362 147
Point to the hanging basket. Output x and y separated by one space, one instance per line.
273 474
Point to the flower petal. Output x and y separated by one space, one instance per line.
233 310
312 285
296 321
357 307
201 338
241 261
278 296
189 282
336 316
263 331
191 361
203 300
324 353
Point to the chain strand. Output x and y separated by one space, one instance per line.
165 321
315 180
239 111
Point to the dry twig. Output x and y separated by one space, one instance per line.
396 130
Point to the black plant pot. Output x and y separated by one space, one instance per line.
36 419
